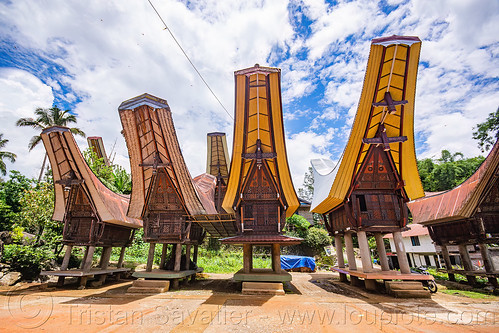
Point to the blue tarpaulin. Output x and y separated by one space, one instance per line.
289 262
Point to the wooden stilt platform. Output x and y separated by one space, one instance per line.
161 274
83 275
262 275
378 274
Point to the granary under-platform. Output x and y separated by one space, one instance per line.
367 191
93 215
466 215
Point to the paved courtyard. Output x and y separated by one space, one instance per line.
315 302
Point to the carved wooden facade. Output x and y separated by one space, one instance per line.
260 191
163 192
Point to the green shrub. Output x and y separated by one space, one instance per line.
316 239
28 260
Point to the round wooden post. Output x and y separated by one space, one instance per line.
247 258
338 244
365 253
468 266
122 257
380 246
350 254
150 257
401 254
448 265
163 256
276 258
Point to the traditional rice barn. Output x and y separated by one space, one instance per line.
163 195
218 165
466 215
366 192
93 215
221 224
259 191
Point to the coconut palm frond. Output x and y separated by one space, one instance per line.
78 131
29 122
34 142
10 156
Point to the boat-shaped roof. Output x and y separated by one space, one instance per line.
152 145
391 68
258 116
68 165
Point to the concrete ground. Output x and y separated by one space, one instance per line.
315 302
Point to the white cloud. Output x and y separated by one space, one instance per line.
20 94
114 50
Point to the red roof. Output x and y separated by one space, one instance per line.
262 239
460 202
414 230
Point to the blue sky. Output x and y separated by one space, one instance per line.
89 56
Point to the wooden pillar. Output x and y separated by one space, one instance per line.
195 260
350 254
338 244
401 254
380 246
247 258
105 257
489 265
150 257
163 256
187 256
65 264
195 254
365 253
178 257
104 261
276 258
468 266
122 257
89 255
448 265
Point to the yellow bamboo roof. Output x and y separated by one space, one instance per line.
258 116
392 67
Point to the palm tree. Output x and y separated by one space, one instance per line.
5 154
46 118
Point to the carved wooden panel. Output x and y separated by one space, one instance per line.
376 171
377 208
260 185
338 220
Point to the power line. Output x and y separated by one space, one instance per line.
192 64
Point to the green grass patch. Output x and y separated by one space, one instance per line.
469 294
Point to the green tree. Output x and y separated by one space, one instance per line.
113 176
487 132
5 154
46 118
11 194
448 171
35 215
307 191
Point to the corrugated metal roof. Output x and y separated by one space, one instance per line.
414 230
460 202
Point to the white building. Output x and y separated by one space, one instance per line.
418 246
